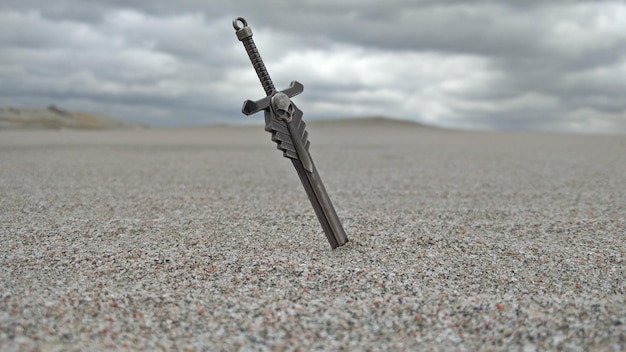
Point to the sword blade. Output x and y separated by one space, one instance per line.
312 183
322 205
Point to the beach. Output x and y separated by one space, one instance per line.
204 239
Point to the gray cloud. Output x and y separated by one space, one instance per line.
531 65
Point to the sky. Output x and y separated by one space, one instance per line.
547 66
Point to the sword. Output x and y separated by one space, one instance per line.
283 120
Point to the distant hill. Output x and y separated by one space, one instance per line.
53 117
367 121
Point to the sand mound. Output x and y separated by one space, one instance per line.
55 118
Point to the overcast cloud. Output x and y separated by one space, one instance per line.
516 65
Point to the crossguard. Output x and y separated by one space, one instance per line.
251 107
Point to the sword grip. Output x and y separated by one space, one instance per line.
244 34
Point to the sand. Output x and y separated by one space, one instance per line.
203 239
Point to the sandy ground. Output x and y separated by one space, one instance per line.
204 239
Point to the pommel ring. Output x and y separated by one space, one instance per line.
243 21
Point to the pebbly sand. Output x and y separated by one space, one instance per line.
203 239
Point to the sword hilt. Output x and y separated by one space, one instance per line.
244 34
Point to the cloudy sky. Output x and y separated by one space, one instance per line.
528 65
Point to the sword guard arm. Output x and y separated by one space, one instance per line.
251 107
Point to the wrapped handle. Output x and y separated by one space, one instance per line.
244 34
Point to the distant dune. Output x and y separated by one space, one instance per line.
53 117
367 121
